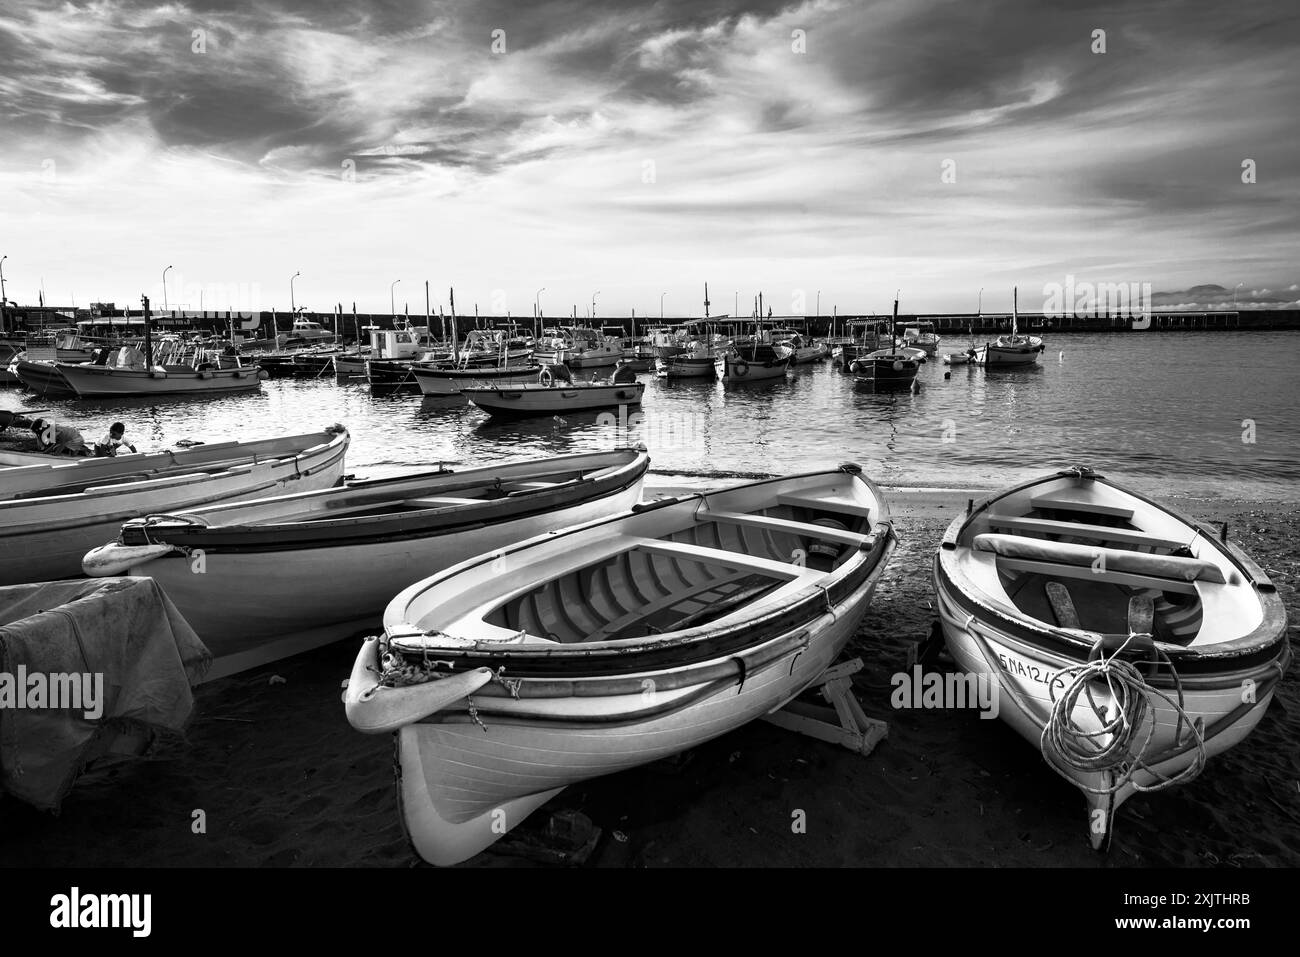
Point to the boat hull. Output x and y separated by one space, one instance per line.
96 381
461 784
276 605
556 400
733 369
687 367
45 538
452 381
42 377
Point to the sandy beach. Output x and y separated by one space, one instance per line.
284 781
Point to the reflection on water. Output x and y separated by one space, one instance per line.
1167 410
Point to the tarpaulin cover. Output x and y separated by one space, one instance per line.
125 629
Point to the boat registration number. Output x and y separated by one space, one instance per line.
1028 669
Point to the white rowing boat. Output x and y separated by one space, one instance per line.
280 576
46 529
613 644
1086 604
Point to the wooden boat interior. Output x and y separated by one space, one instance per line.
720 562
1074 555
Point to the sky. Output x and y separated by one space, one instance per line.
827 154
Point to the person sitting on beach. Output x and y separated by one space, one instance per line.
624 374
55 439
112 441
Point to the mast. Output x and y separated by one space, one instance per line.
455 353
706 300
356 325
148 337
893 325
1014 310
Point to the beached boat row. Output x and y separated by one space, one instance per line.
543 625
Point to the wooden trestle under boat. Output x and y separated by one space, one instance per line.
613 644
1128 642
50 515
287 574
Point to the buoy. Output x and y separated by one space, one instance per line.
947 375
1061 357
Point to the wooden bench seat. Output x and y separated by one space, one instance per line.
1077 530
766 523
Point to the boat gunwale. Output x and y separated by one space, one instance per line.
324 533
856 572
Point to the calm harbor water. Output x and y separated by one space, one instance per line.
1204 414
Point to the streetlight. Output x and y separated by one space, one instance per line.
165 288
661 304
819 302
392 305
537 301
1234 295
293 305
593 304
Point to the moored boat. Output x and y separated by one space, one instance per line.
612 644
51 515
554 397
1129 642
1010 351
297 571
439 380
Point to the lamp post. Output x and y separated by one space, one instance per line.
661 304
1234 295
165 288
593 304
293 303
819 302
392 305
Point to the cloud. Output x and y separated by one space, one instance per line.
653 145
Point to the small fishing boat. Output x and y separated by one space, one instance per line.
440 380
579 347
1010 351
174 367
754 358
803 350
297 571
1126 641
611 645
958 358
553 396
921 335
889 368
51 515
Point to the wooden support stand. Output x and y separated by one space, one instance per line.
844 723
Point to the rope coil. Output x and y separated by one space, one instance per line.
1068 746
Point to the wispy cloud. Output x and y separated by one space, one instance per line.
646 147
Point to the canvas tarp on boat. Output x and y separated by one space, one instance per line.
115 649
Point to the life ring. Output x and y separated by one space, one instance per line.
546 378
740 368
898 365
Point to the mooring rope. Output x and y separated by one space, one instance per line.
1066 745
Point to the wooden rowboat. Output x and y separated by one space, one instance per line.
283 575
46 529
556 399
1086 603
612 644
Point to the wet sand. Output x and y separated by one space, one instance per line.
283 780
